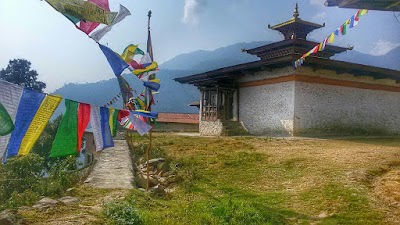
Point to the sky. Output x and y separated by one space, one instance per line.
61 54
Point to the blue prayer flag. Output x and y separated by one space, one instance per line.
116 62
27 108
105 128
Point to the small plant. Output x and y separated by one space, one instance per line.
121 213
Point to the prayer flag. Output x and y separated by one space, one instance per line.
351 22
146 60
83 121
89 26
113 121
141 127
96 127
117 64
343 29
144 113
146 76
130 51
152 85
65 142
153 66
39 122
99 34
336 32
125 89
363 12
27 108
84 10
6 123
105 128
331 38
10 95
149 44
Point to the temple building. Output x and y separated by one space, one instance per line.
322 97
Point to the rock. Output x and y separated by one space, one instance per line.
164 166
155 162
45 203
7 217
141 181
70 190
322 215
69 200
171 179
159 189
88 180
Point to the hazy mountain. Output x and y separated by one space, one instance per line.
175 97
391 60
208 60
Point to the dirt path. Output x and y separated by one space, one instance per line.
113 168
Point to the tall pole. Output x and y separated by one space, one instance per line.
147 99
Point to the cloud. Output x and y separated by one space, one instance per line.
381 47
317 2
192 9
320 16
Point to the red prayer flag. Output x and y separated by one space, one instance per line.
89 26
83 121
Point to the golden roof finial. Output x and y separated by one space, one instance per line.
296 11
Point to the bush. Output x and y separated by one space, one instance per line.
122 213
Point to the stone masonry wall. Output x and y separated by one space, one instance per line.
325 109
268 109
211 128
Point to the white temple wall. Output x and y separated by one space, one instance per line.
322 109
268 109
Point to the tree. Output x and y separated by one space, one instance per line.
19 72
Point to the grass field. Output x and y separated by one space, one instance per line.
252 180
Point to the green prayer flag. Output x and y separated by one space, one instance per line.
115 122
6 123
66 138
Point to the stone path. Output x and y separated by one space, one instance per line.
113 168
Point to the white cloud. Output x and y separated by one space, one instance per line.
192 9
317 2
381 47
320 16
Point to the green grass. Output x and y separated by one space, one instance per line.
230 181
248 180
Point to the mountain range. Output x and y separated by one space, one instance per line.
175 97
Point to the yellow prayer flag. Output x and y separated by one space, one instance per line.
111 119
128 53
153 66
42 116
363 12
331 38
155 80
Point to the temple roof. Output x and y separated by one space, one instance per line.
295 27
382 5
228 76
293 47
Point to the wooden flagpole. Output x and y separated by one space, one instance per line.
149 146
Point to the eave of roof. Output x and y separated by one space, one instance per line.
294 20
382 5
281 44
234 72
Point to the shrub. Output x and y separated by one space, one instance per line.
121 213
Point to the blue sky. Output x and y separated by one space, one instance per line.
62 54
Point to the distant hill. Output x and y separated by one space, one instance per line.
391 60
202 61
175 97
